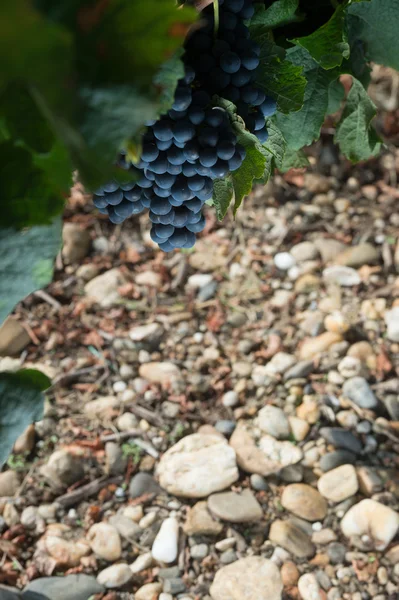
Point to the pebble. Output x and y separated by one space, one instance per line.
25 443
358 390
197 466
357 256
301 369
242 368
289 574
370 518
143 483
304 501
329 248
200 522
199 280
142 562
331 460
272 420
312 347
148 335
341 439
235 507
165 546
291 474
230 399
103 289
115 462
62 469
225 544
115 576
369 481
126 528
252 578
264 456
280 363
165 373
324 536
64 552
304 251
105 541
149 591
299 428
102 407
75 243
225 427
258 483
350 367
148 278
336 553
392 323
309 587
293 539
284 261
339 484
199 551
164 596
341 275
127 422
364 352
67 587
9 483
336 322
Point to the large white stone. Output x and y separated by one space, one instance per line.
198 465
165 546
115 576
392 323
103 289
252 578
338 484
372 522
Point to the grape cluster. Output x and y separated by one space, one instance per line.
193 144
227 64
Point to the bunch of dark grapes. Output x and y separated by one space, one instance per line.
227 64
193 143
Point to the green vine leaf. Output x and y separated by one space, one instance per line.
222 196
303 127
26 262
328 45
336 94
294 159
375 24
280 12
21 403
355 135
279 77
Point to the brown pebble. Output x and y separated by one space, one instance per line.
289 574
320 560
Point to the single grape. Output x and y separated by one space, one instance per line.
168 218
197 227
215 117
133 195
196 115
160 165
124 209
250 60
165 180
208 157
268 107
164 231
161 192
241 77
220 169
190 241
248 94
173 169
113 217
181 216
189 170
100 201
150 152
163 131
127 185
177 115
225 150
180 190
194 205
196 183
230 62
175 156
178 238
183 131
208 136
160 206
164 145
191 150
155 238
262 134
111 186
247 12
143 182
182 98
115 198
166 246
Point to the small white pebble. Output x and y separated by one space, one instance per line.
317 526
198 337
128 396
119 386
284 261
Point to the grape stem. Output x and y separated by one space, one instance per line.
216 11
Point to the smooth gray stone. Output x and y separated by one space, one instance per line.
358 390
142 483
336 459
70 587
340 438
9 593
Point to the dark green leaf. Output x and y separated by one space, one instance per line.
355 135
222 196
336 94
376 25
21 403
26 262
328 45
280 78
294 159
166 80
253 166
275 143
303 127
28 197
277 14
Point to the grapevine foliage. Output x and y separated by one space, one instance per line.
92 86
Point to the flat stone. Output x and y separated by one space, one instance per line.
369 481
13 337
200 521
126 527
264 455
372 521
357 256
273 421
142 562
103 289
105 541
235 507
76 243
299 428
66 553
115 461
301 369
279 364
304 251
160 372
341 438
342 276
197 466
331 460
392 323
252 578
68 587
339 484
149 591
147 334
314 346
143 483
290 537
9 483
115 576
102 407
358 390
304 501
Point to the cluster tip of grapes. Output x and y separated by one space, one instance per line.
193 144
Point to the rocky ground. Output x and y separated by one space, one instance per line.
224 423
